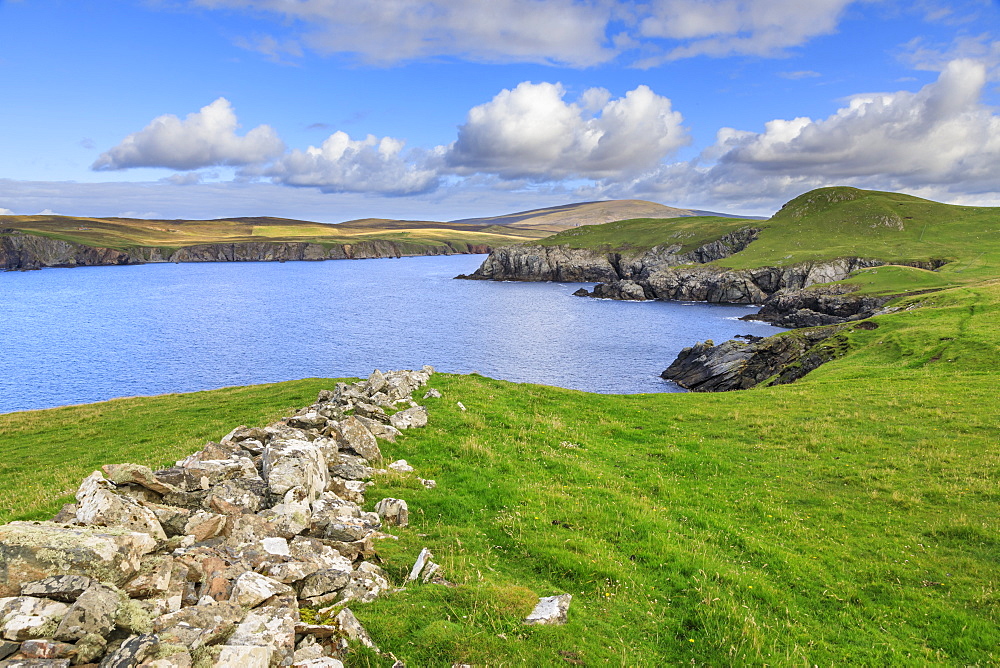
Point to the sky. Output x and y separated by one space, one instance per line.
333 110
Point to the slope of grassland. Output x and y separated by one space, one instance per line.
850 518
121 233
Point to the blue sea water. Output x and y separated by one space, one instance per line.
87 334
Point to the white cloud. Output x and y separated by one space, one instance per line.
577 33
5 212
569 32
205 138
727 27
531 132
940 141
799 74
342 164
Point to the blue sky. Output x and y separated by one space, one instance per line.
442 109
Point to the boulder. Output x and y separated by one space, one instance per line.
251 589
198 625
97 504
393 512
27 617
136 474
353 435
295 463
409 418
324 582
33 550
58 587
133 652
401 466
243 656
271 625
93 612
368 582
550 610
47 649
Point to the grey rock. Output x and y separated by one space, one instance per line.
432 394
324 582
93 612
65 588
97 504
251 589
409 418
27 617
132 652
393 512
271 625
353 435
295 463
33 550
198 625
243 656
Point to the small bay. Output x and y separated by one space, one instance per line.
92 333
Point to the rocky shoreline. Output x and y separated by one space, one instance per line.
210 562
788 297
20 251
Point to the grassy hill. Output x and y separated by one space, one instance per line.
123 233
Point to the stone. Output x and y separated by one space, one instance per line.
35 663
353 435
432 394
352 628
47 649
271 625
276 546
251 589
26 617
203 525
90 648
58 587
461 406
137 474
320 552
393 512
368 582
292 516
349 529
350 467
349 490
420 564
203 473
198 625
7 648
325 581
295 463
550 610
229 496
307 652
93 612
243 433
153 579
307 420
429 484
33 550
321 662
290 572
379 429
243 656
409 419
97 504
132 652
359 549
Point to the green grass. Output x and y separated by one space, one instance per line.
850 518
640 234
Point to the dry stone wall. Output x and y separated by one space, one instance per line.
208 562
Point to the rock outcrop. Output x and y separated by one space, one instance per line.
20 251
774 360
209 562
530 262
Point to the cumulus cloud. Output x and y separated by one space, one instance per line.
203 139
532 132
569 32
938 140
342 164
5 212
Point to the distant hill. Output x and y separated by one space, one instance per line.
558 218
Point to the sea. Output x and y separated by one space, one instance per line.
80 335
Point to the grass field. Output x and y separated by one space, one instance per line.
850 518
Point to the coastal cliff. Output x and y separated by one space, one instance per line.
19 251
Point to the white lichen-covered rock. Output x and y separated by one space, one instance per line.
319 553
271 625
292 516
410 418
251 589
26 617
550 610
401 466
198 625
295 463
349 490
393 512
290 572
352 628
322 662
243 656
353 435
368 582
208 472
33 550
97 504
203 525
136 474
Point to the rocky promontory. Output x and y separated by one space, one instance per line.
20 251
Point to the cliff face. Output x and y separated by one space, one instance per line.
561 263
27 251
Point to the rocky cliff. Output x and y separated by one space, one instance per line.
775 360
27 251
561 263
